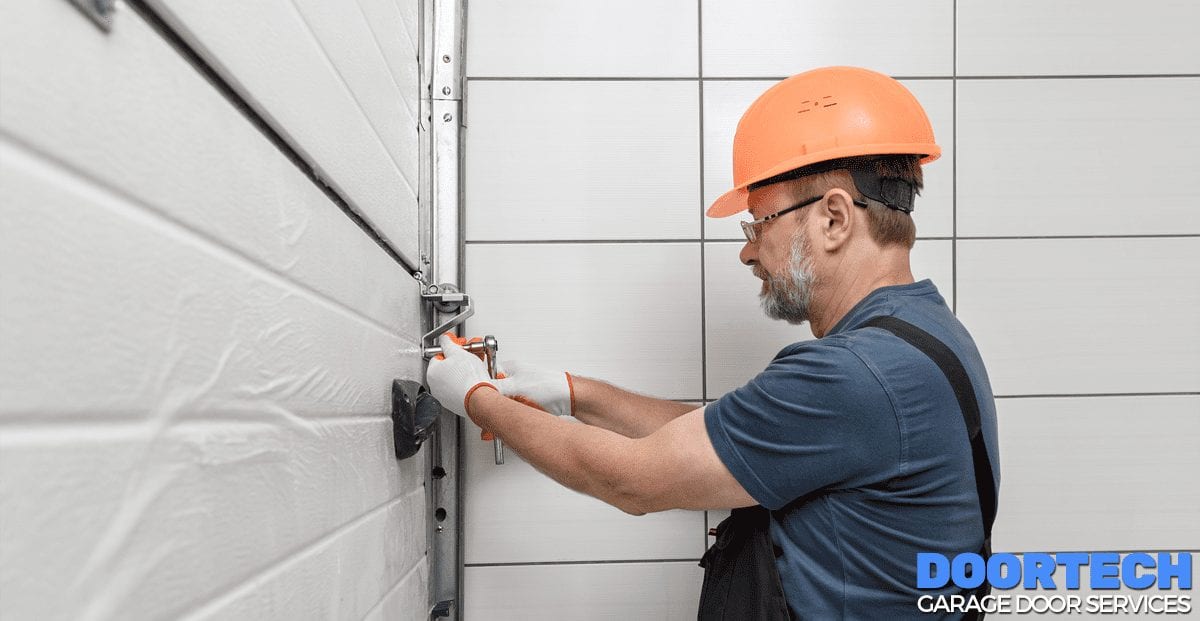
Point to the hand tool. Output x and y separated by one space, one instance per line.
486 349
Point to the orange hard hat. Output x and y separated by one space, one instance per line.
820 115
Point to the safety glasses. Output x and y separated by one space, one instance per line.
751 229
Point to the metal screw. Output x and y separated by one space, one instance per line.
446 58
449 117
446 90
440 528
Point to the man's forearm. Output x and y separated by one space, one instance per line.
632 415
584 458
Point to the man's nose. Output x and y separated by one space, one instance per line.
749 255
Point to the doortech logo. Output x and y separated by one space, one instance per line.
1166 573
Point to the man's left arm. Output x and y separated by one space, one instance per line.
675 467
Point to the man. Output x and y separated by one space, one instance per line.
868 444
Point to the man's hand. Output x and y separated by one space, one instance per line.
551 391
455 374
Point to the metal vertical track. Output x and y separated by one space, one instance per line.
441 120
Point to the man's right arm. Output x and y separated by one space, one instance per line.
632 415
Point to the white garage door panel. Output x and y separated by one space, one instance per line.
726 100
396 35
1036 157
741 340
1083 316
516 514
1100 473
111 310
343 576
765 38
619 176
126 110
1077 37
314 71
660 591
404 601
152 519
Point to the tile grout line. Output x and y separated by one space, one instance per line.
778 78
703 289
694 560
1095 395
954 161
955 238
667 78
604 562
700 136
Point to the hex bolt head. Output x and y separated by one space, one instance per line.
449 117
446 90
446 58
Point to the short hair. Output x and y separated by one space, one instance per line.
887 226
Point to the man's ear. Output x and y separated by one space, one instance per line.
836 217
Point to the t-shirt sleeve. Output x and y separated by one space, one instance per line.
816 418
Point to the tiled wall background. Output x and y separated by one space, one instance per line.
196 344
1061 223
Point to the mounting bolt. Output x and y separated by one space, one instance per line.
446 90
448 117
446 58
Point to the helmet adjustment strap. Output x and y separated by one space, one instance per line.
890 192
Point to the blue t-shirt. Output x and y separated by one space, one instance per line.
856 443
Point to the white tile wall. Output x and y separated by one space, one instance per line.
667 591
198 345
314 71
516 515
1026 162
1083 316
777 38
568 160
1098 473
726 100
1078 157
544 38
625 312
741 341
1077 37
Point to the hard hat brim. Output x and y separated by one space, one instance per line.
738 199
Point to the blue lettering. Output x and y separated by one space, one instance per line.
968 570
1129 570
1105 568
1004 570
1181 570
1041 571
933 570
1073 561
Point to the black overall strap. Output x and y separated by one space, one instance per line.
954 371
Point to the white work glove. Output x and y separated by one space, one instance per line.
455 375
546 390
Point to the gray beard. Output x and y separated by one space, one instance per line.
789 296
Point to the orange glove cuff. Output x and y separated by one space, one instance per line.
467 398
571 389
